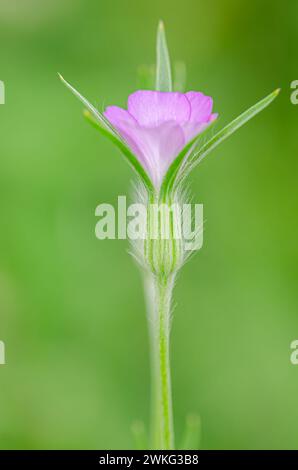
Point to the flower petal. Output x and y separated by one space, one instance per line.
201 106
161 145
118 117
158 125
152 108
155 147
125 125
191 129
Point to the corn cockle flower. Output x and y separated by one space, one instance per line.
160 136
157 125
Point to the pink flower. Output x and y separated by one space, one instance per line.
157 125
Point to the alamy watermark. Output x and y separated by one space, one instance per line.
2 92
294 354
2 353
179 221
294 94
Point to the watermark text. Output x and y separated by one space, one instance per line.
2 353
151 221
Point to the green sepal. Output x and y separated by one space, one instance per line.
172 174
99 121
229 129
190 156
163 64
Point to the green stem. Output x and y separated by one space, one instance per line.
149 283
158 286
164 305
162 414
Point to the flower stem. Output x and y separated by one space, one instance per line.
164 293
162 432
149 283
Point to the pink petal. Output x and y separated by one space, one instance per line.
192 129
201 106
118 117
125 124
161 144
158 125
155 147
213 117
152 108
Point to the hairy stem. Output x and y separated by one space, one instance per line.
162 429
149 284
164 292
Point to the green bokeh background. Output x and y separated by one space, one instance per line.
71 307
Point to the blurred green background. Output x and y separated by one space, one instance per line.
72 313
